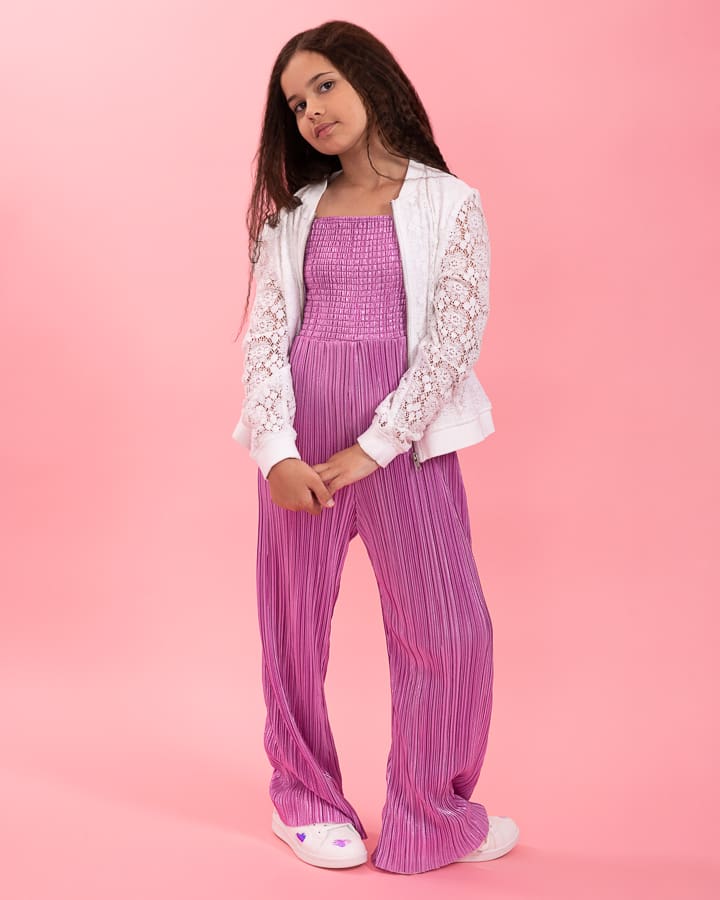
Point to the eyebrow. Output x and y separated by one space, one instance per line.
314 78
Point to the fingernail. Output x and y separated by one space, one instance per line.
330 502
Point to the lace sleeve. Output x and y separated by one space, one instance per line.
269 408
451 345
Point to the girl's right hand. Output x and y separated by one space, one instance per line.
296 486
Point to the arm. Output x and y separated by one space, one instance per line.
269 407
451 345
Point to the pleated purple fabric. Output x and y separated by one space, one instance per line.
350 353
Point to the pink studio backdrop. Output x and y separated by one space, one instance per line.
131 762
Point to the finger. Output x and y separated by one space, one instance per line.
337 482
311 504
323 471
322 493
315 507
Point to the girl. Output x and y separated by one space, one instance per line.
372 296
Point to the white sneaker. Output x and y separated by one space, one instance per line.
501 838
333 845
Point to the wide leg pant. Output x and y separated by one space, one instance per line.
415 527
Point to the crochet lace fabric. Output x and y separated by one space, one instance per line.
269 406
444 356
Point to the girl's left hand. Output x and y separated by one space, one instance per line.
345 467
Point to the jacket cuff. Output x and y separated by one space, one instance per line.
377 443
272 450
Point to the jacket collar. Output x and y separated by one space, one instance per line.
313 192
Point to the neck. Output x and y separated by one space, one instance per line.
359 173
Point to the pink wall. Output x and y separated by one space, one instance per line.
129 656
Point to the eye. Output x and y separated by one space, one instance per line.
295 108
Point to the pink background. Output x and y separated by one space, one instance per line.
131 762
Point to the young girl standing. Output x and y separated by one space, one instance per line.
371 299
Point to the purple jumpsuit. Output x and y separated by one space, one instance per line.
350 353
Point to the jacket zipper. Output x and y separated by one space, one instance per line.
413 446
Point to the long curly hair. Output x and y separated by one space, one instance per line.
285 161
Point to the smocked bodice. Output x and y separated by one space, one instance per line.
354 287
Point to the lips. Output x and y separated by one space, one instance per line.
324 128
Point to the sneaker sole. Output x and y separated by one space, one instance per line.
281 830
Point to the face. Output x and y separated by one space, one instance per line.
317 94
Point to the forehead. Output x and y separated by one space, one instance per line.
300 69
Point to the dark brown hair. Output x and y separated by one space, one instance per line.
287 162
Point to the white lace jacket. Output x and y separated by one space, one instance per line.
439 404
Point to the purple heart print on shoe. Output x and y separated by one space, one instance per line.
340 842
300 835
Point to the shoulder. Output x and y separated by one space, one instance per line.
286 215
305 189
450 198
288 218
446 185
